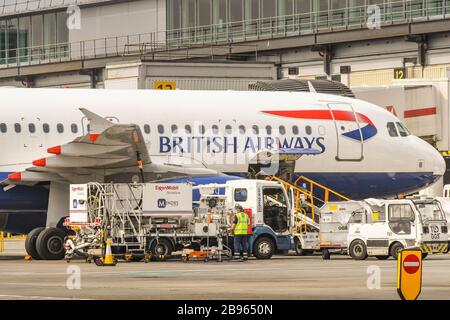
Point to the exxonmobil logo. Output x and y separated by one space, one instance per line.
367 131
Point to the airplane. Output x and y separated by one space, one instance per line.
54 137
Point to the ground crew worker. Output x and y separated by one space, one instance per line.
240 230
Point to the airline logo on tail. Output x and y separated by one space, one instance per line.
367 131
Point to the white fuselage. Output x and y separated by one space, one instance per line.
228 118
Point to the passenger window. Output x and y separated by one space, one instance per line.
215 129
31 128
188 129
308 130
255 129
241 129
174 128
146 128
282 130
160 129
321 130
60 128
201 128
402 130
240 195
295 130
3 127
74 128
228 129
391 129
17 127
400 218
269 130
46 128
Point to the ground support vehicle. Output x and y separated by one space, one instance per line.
382 228
152 220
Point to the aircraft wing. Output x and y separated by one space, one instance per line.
108 149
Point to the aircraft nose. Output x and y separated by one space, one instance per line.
439 165
434 161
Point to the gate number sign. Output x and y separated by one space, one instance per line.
409 274
164 85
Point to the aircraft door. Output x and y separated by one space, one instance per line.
348 131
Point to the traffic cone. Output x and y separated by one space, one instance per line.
109 259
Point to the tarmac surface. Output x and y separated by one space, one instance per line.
282 277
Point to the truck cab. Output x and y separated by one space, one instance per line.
272 214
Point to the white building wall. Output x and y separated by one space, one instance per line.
121 19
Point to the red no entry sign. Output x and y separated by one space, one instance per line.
411 264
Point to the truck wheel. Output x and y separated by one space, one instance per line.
358 250
30 243
50 244
326 254
163 247
298 247
382 257
263 248
395 249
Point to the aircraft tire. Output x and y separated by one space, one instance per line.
30 243
50 244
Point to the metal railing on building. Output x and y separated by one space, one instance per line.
231 33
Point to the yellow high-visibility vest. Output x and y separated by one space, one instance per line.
242 224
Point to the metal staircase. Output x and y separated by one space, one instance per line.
309 196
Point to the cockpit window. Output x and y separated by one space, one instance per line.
402 129
391 129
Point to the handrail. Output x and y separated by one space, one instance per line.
228 33
300 222
326 189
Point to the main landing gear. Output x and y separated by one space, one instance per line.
45 244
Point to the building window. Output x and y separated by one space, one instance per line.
46 128
74 128
219 12
17 127
268 8
187 14
204 12
60 128
236 10
31 128
173 14
3 127
160 129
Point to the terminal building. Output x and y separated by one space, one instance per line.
372 46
